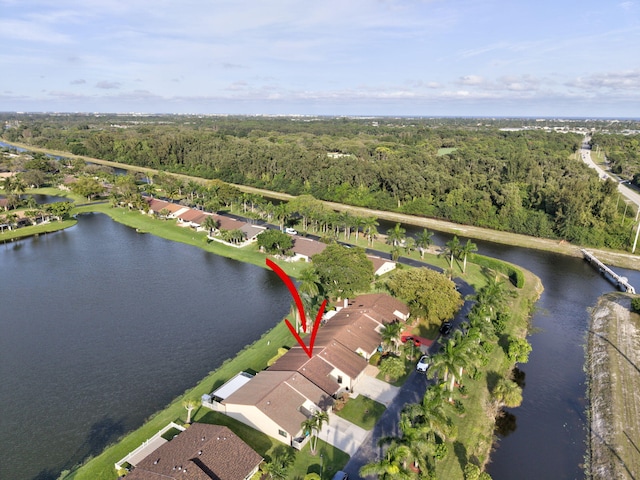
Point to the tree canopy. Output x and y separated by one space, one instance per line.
429 294
343 271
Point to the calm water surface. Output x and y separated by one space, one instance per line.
100 327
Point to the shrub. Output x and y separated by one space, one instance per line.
635 304
375 359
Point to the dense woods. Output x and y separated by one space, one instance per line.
525 181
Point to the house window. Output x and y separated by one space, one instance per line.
283 433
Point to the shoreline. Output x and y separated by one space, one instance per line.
609 257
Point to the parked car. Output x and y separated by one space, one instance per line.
445 329
416 341
423 364
290 231
341 476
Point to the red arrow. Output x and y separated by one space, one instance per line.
296 298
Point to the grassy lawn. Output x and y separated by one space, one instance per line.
362 411
446 151
36 230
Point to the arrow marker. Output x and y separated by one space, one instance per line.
296 298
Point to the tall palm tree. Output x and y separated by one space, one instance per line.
315 423
310 289
424 241
370 230
465 250
396 235
449 359
452 250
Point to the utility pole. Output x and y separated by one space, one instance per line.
635 242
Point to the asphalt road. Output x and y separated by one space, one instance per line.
628 193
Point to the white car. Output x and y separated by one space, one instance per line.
290 231
423 364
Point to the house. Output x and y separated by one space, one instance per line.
345 343
333 368
305 248
192 218
201 452
276 403
381 265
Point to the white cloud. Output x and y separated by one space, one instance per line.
106 85
471 80
624 80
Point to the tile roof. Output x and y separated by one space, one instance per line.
201 452
306 246
279 395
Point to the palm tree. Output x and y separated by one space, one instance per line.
507 393
449 359
465 250
369 228
312 426
392 466
409 245
210 223
391 335
310 289
452 250
424 241
396 235
281 212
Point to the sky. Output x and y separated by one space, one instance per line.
560 58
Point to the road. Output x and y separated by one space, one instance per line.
628 193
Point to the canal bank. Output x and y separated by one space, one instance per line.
613 366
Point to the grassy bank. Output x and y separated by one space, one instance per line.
614 389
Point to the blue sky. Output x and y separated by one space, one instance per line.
329 57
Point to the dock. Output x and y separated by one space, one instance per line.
621 282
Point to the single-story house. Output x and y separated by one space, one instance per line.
277 403
381 265
201 452
305 248
192 217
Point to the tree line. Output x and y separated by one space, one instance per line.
526 181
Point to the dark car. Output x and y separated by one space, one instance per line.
341 476
445 329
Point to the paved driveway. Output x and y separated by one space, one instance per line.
375 389
343 434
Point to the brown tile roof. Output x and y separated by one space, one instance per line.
201 452
380 306
194 216
279 395
227 223
315 369
307 247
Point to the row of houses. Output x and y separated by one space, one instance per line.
278 400
303 248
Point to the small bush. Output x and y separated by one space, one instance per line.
375 359
635 304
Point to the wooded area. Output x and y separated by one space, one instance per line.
461 170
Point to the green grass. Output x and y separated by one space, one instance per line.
362 411
35 230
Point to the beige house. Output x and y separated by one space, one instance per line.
276 403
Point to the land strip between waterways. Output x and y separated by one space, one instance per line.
614 381
609 257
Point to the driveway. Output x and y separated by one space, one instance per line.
375 389
343 434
